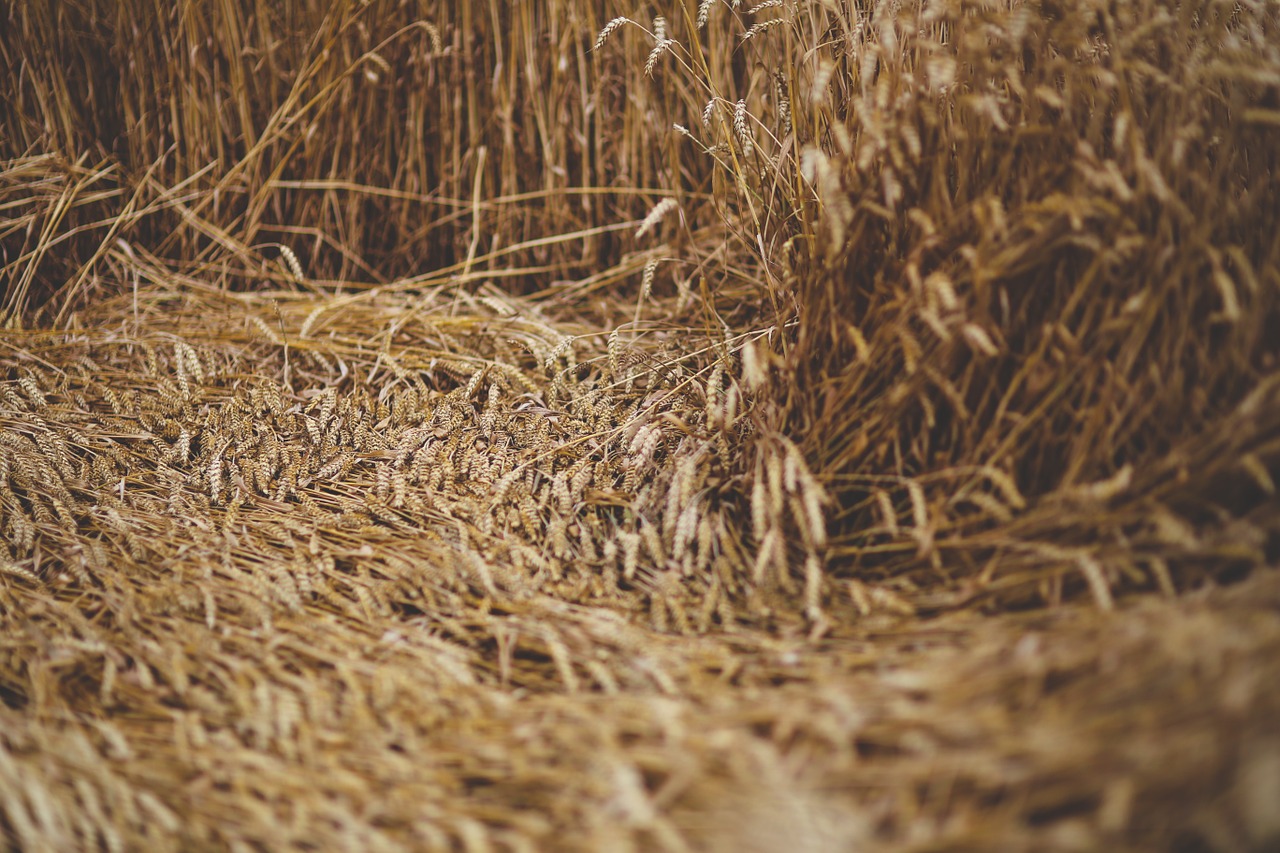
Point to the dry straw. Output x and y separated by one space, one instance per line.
930 505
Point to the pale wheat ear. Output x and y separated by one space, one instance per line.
660 210
433 32
646 280
742 129
291 260
659 49
609 29
704 11
761 27
288 259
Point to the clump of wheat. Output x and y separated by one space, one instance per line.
931 353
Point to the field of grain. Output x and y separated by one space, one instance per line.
811 425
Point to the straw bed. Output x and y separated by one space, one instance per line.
809 426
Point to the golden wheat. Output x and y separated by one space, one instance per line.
629 556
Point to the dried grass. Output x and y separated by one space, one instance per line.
381 467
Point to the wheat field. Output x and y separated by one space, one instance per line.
811 425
